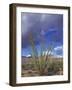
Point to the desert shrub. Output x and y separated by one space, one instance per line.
55 66
27 66
40 63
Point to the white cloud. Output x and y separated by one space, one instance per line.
58 51
28 55
58 48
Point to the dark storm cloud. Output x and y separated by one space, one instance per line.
49 26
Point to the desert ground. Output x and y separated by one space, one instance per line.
52 66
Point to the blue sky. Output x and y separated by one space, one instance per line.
44 27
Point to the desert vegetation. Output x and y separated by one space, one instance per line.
41 65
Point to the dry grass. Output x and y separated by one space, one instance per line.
53 67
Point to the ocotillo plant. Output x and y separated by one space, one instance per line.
40 63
